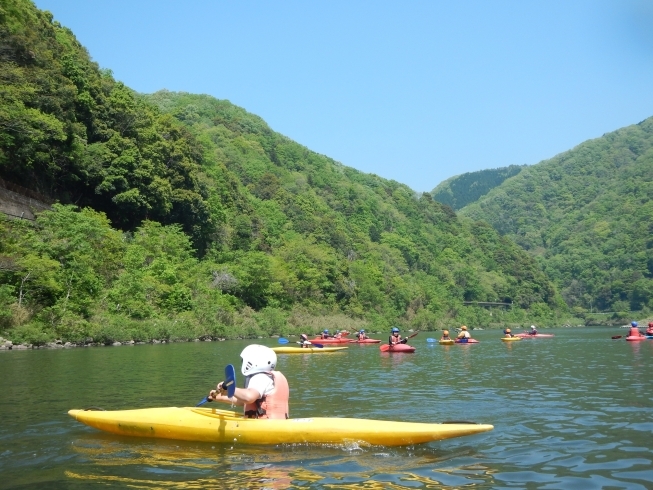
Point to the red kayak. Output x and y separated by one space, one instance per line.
403 348
466 341
536 336
635 338
366 341
330 341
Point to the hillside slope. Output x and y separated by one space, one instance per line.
190 217
587 216
461 190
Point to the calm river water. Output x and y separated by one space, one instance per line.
574 411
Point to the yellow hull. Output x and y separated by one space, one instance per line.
446 342
223 426
510 339
304 350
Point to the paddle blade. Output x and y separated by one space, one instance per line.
230 379
384 347
283 341
205 400
431 340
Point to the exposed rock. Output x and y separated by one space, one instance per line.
117 343
155 341
19 347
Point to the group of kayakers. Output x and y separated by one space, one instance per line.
266 391
636 332
463 335
508 333
304 342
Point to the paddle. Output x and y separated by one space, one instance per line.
431 340
283 341
229 383
614 337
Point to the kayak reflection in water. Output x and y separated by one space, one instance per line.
464 335
445 335
303 341
266 391
508 333
395 338
361 335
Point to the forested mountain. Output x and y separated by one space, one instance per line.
184 216
461 190
587 216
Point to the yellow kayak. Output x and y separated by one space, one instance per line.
446 342
305 350
215 425
510 339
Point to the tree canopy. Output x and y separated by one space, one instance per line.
587 216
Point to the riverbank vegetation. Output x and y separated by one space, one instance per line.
182 216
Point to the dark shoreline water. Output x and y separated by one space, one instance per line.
575 411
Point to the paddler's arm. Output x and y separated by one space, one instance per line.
241 396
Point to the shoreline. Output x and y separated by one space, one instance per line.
8 345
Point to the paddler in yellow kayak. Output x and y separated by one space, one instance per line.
266 391
445 335
303 341
508 333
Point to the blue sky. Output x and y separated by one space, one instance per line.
413 91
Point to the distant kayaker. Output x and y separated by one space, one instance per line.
533 330
649 330
266 391
361 335
445 335
508 333
395 337
464 335
634 331
337 335
325 334
303 341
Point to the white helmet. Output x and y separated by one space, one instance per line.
533 326
257 359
